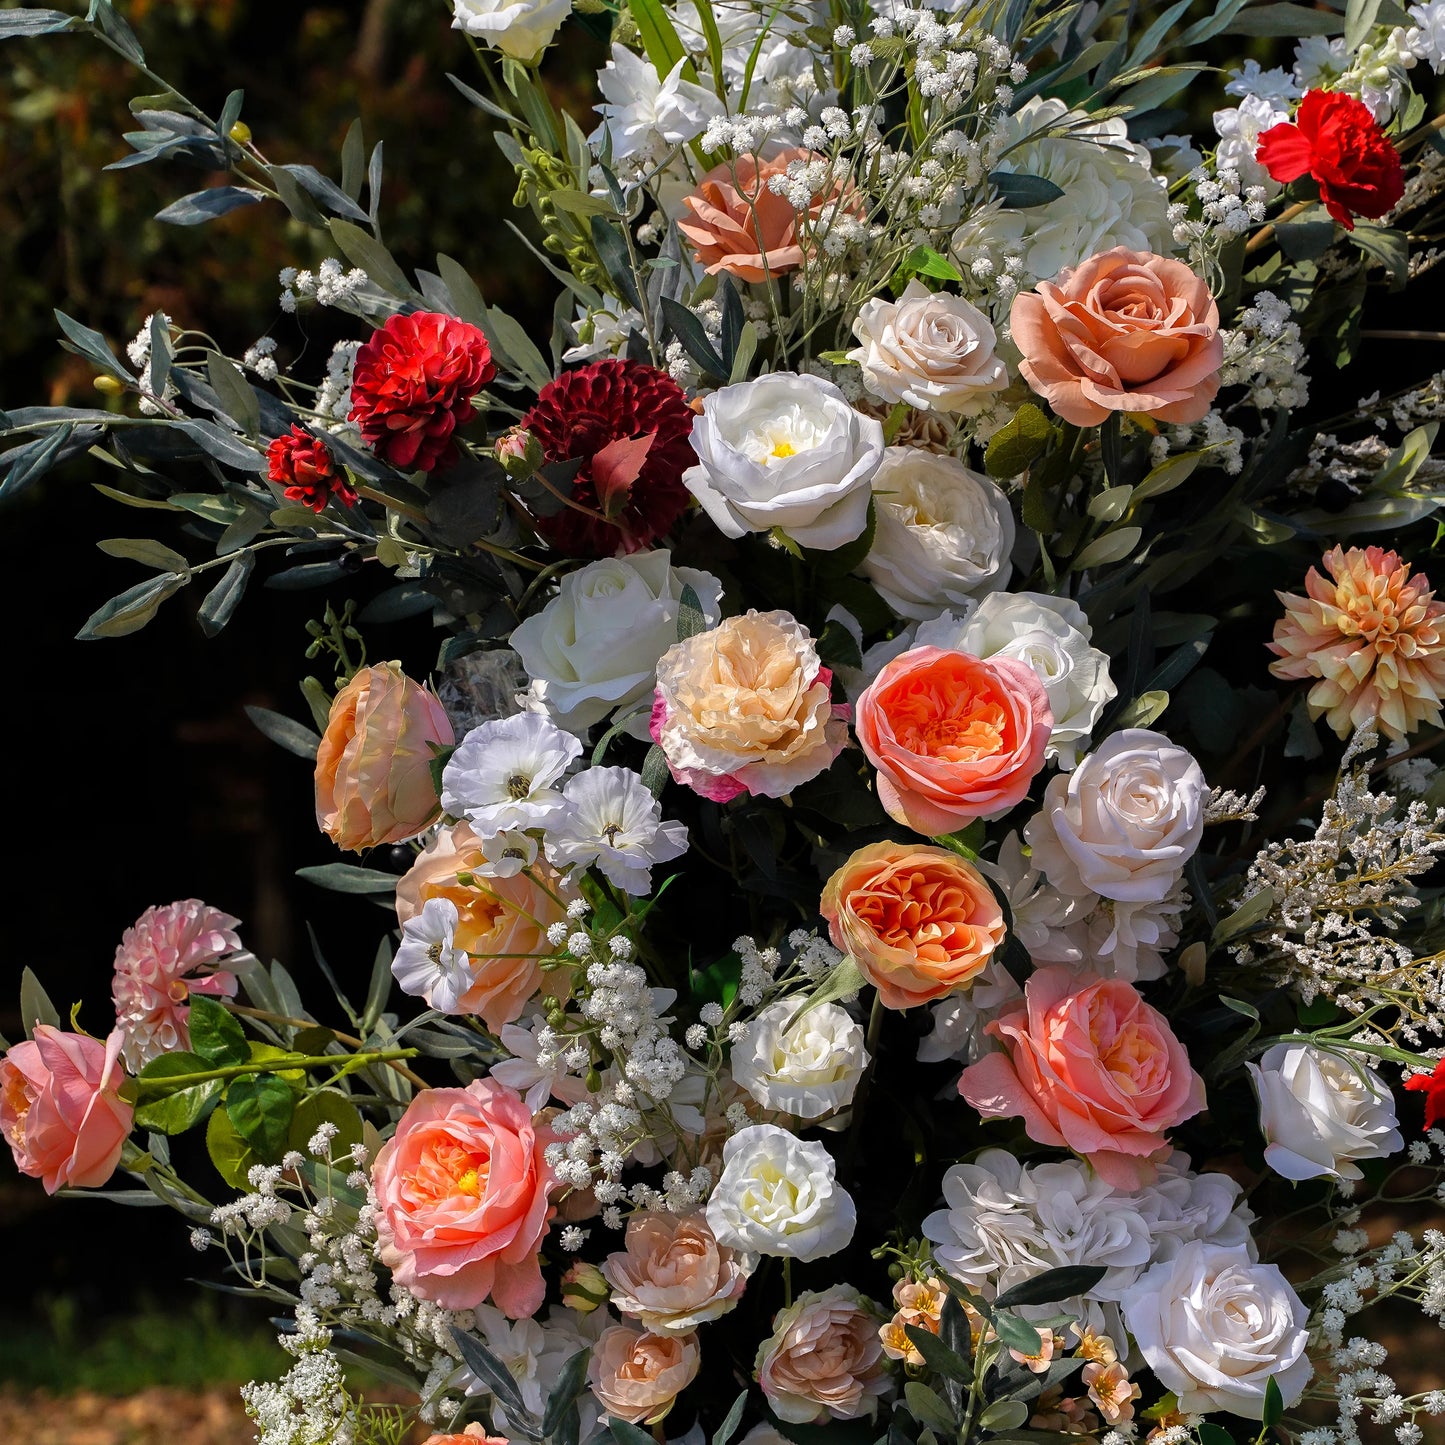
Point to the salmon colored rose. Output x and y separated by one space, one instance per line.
673 1275
637 1376
920 922
954 737
60 1111
474 1434
461 1193
1123 331
502 923
373 768
1090 1067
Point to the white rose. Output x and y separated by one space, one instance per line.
593 649
520 28
1125 822
807 1070
778 1194
1319 1112
1052 635
931 349
1215 1327
943 534
785 450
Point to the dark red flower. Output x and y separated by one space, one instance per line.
308 469
630 423
413 385
1336 140
1433 1088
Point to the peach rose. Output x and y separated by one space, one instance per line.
636 1376
373 768
502 922
673 1274
461 1192
954 737
824 1360
474 1434
919 921
60 1111
1090 1067
747 707
1123 331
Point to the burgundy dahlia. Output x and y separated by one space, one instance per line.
413 385
630 423
308 469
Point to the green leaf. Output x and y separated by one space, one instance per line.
497 1378
130 610
1018 443
659 36
1273 1401
353 160
938 1356
655 771
176 1112
842 982
348 878
690 617
91 345
202 206
616 260
362 249
466 296
694 339
1284 19
35 1005
729 1426
1112 547
15 23
921 261
1212 1434
1360 16
261 1107
1142 710
1004 1415
216 1034
928 1408
1167 475
235 393
130 500
1386 245
1020 192
285 732
1254 910
221 601
570 1384
1018 1334
145 551
1051 1286
230 1153
379 990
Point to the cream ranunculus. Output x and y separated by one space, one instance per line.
785 450
779 1194
805 1069
930 349
1052 635
824 1360
1216 1327
593 649
1320 1112
943 535
522 29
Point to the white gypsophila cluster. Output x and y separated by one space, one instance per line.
138 349
333 397
328 285
1265 354
1230 203
1425 39
309 1404
260 357
1222 444
1412 776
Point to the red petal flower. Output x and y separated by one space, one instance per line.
308 469
1433 1087
586 413
1336 140
413 385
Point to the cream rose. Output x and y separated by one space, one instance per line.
943 534
673 1275
636 1376
824 1360
807 1068
930 349
785 450
522 29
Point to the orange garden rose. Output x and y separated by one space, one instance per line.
920 921
474 1434
373 768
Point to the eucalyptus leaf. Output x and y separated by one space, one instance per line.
285 732
202 206
348 878
130 610
35 1005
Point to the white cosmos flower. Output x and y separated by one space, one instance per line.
520 28
501 777
507 854
644 114
806 1070
428 964
612 820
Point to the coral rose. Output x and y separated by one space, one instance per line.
824 1360
673 1275
502 922
1123 331
306 467
461 1193
920 922
474 1434
373 768
60 1111
953 737
1090 1067
636 1375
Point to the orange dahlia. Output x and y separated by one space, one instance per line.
1372 636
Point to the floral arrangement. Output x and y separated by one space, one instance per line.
847 973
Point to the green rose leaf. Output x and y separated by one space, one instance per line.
261 1109
215 1034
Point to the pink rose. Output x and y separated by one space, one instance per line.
461 1191
637 1376
824 1360
1090 1067
673 1275
60 1111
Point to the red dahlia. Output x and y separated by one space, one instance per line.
1336 140
308 469
1433 1088
630 423
413 385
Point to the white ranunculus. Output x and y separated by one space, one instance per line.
646 114
786 451
931 349
779 1194
1216 1327
807 1070
1052 635
1125 822
1320 1112
593 649
522 29
943 534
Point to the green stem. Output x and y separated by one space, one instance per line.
173 1083
787 1281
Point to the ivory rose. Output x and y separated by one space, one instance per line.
919 921
60 1111
747 707
1124 331
673 1275
824 1360
373 768
953 737
637 1375
1090 1067
461 1193
807 1066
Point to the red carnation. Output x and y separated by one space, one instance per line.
413 385
308 469
1336 140
629 422
1433 1088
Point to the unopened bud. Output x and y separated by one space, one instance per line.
520 453
111 385
584 1289
240 133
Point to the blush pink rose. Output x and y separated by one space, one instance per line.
636 1376
954 737
1123 331
1090 1067
60 1111
673 1275
461 1191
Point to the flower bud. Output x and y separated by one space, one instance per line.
110 385
584 1289
520 453
240 133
